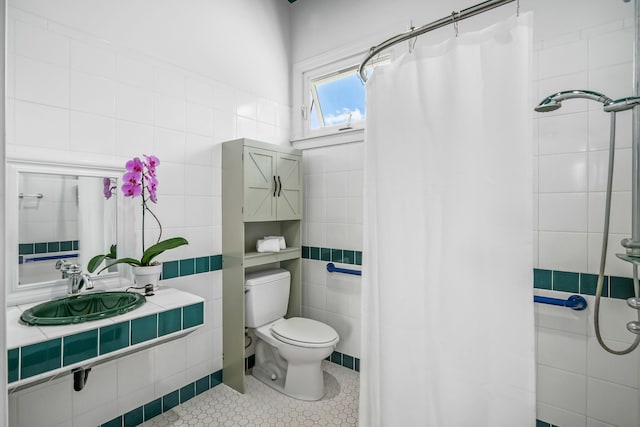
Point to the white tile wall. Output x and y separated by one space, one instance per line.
79 99
333 219
578 382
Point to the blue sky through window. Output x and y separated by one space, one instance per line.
339 98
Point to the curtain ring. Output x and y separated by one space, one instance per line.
454 20
412 42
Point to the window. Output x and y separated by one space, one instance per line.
336 99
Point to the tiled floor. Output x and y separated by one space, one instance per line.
263 406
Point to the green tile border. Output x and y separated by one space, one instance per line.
47 247
190 266
582 283
344 256
344 360
564 281
553 280
167 402
79 347
13 361
38 358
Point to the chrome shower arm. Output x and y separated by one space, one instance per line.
552 102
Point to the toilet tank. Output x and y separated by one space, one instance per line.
266 296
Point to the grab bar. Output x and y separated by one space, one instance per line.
35 195
575 302
331 268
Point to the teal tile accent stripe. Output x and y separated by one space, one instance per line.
345 256
47 247
582 283
189 266
540 423
165 403
192 315
39 358
336 357
563 281
345 360
13 360
169 322
79 347
114 337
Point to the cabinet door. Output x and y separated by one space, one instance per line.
259 184
289 194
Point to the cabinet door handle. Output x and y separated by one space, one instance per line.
280 187
275 186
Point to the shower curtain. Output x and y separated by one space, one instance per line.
447 309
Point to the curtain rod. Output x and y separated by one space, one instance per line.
415 32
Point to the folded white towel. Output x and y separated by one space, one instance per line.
280 239
268 245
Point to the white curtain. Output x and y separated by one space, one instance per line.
447 310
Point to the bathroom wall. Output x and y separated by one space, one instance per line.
584 45
96 83
332 230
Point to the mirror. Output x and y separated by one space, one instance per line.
62 220
57 215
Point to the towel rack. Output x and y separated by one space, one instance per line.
35 195
331 268
575 302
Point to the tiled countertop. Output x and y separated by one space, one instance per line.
37 352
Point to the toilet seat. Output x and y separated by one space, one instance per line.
304 332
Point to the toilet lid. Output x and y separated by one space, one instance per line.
304 331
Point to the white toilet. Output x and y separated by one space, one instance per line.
289 352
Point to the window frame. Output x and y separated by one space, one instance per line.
333 63
313 99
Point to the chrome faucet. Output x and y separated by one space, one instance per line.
63 266
78 279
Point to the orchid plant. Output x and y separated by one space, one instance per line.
139 180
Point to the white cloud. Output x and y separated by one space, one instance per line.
343 117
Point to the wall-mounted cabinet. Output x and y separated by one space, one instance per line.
272 185
261 196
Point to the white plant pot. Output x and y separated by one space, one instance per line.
146 275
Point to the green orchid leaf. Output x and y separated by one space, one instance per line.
160 247
130 261
112 252
95 262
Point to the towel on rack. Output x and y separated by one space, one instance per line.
280 239
268 245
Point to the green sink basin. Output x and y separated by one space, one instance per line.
84 307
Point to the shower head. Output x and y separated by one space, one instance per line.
553 102
548 105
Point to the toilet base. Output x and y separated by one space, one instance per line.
296 389
303 380
266 376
